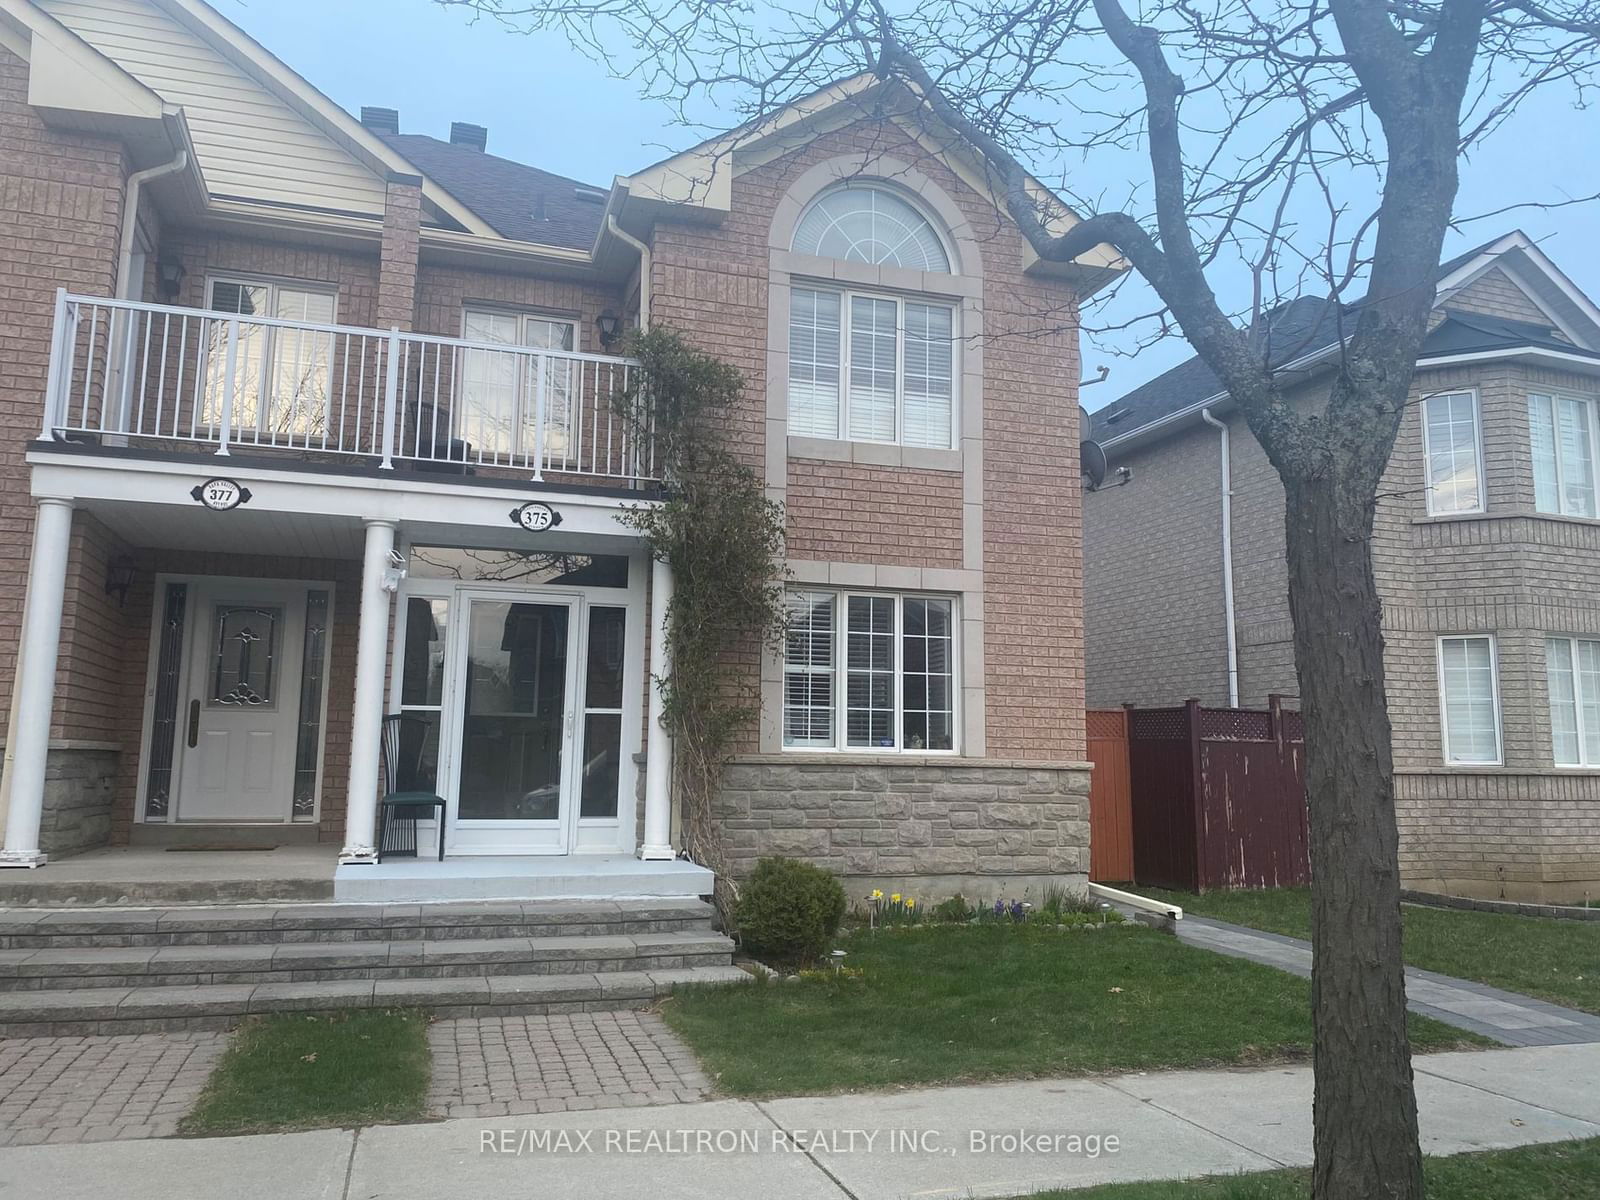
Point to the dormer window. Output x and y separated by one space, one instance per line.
866 224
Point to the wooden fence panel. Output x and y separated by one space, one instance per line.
1110 798
1162 771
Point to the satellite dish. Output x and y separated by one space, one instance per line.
1092 458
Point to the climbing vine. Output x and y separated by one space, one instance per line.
723 540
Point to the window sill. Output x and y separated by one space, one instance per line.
1505 515
876 454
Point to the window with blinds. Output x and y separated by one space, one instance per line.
1469 700
869 672
871 368
1572 668
1562 430
1453 452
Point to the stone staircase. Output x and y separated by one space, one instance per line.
128 970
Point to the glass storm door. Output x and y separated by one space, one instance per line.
239 719
516 680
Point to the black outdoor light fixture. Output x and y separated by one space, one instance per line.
609 326
169 277
119 578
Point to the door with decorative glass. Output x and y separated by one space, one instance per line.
239 719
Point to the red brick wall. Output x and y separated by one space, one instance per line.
60 213
443 291
203 253
711 283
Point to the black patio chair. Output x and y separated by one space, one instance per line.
404 803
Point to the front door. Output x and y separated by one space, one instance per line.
515 681
239 716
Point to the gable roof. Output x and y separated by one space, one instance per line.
508 194
1309 327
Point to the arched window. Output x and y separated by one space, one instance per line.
872 225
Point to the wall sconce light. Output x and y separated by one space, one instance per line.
119 578
169 277
609 326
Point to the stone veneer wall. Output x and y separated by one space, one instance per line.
79 785
982 827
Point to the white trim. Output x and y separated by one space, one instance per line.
580 599
1494 687
1591 411
1571 640
1477 445
840 673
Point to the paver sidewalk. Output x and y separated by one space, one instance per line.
938 1143
1504 1016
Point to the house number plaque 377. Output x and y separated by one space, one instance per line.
220 495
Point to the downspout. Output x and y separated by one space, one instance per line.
1227 558
644 267
130 218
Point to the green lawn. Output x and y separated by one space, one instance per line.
1558 961
1560 1171
943 1004
297 1071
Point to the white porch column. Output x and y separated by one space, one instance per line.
658 749
366 714
34 691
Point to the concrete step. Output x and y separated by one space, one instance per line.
83 1012
57 968
266 924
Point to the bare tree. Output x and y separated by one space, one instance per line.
1283 147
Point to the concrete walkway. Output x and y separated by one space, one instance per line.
1504 1016
880 1146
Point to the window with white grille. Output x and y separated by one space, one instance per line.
1453 451
866 224
1572 668
1469 699
1562 429
871 368
870 672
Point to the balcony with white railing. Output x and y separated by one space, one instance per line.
149 376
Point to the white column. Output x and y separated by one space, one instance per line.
658 748
366 714
34 691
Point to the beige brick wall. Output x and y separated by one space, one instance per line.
1524 827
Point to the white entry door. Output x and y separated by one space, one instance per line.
240 715
516 675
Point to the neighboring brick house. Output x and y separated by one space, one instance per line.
1486 551
272 379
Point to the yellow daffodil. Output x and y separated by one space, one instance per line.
895 898
876 894
910 902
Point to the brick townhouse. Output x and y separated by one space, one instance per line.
308 447
1486 551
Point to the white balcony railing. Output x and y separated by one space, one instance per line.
128 373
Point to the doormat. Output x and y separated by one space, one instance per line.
217 846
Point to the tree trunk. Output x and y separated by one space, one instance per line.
1365 1112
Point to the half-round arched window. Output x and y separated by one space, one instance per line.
873 225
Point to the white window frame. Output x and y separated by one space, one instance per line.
272 334
840 671
847 296
1571 640
1477 445
524 390
1494 690
1591 407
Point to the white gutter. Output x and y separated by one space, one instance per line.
1143 903
130 218
644 267
1227 558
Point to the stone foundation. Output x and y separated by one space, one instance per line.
79 783
986 828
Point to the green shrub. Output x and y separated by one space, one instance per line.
789 911
954 911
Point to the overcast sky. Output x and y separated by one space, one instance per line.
544 104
